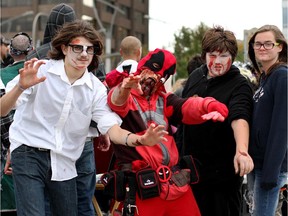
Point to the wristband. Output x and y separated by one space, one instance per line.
126 140
20 87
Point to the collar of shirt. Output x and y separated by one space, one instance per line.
85 79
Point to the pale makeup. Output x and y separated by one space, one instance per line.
78 61
218 63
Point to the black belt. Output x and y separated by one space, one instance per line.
38 149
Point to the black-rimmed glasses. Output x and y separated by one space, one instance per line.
266 45
80 48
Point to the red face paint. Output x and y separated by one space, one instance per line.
218 63
75 41
78 61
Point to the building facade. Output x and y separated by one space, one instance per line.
114 19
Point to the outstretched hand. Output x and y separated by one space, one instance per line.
28 74
153 135
216 111
219 107
215 116
132 82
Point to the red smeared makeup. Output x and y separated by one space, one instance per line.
76 41
79 61
218 63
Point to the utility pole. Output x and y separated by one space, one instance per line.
108 33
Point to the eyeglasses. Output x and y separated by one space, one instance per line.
80 48
266 45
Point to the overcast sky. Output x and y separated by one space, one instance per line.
167 17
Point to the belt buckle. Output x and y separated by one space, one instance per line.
42 149
164 173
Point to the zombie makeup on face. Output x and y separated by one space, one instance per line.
218 63
80 60
149 82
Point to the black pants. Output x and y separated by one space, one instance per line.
222 199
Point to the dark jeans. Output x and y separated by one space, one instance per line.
85 181
32 178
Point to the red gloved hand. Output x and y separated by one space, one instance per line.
215 105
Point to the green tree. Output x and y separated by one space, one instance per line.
187 44
240 54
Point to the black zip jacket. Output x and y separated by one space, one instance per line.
213 143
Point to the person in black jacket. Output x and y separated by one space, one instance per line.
268 142
221 148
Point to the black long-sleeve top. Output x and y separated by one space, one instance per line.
213 143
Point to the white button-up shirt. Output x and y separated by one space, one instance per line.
56 115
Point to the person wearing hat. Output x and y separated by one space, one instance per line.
20 45
5 57
163 187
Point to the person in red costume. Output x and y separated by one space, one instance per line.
141 100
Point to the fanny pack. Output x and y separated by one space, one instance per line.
148 183
168 183
114 184
187 162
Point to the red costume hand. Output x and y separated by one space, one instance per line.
215 105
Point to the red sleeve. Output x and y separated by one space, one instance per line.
114 77
120 110
194 108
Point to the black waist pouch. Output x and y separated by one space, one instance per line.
148 183
187 162
114 184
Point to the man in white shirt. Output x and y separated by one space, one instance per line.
52 119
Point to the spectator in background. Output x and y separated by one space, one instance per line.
250 76
5 57
130 51
20 46
220 147
268 141
195 62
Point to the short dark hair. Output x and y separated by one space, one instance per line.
218 39
195 62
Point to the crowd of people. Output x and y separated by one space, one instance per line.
184 152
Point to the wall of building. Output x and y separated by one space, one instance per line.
17 16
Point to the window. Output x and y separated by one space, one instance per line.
15 3
54 1
126 11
